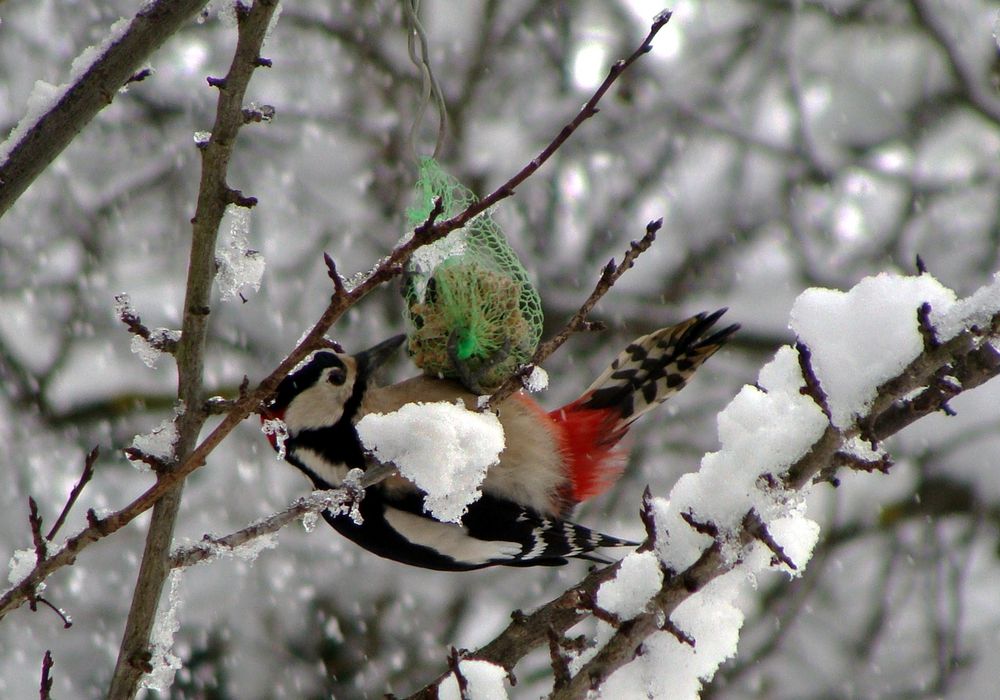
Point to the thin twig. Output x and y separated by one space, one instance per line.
45 688
578 322
454 663
753 524
35 521
210 546
88 473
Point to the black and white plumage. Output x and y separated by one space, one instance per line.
551 460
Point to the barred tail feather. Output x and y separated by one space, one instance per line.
648 372
655 367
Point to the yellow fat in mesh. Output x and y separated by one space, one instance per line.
469 299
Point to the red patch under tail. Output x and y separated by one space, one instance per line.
589 440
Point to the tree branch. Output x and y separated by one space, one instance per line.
38 144
214 195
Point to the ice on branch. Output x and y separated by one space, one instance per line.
158 443
149 350
865 336
239 267
163 661
443 448
277 432
485 682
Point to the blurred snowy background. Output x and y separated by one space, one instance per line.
786 144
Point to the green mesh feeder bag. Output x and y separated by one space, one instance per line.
474 315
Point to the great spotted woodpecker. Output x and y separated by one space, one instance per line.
551 462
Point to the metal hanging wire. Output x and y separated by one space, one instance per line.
430 89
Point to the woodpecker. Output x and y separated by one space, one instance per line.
551 462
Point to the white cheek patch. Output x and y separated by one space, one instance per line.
319 406
449 539
333 473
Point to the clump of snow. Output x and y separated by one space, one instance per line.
797 536
537 380
638 579
763 430
975 310
21 564
485 681
149 350
163 661
443 448
863 337
201 138
239 267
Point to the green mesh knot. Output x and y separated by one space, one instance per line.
473 312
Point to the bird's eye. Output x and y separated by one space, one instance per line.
337 376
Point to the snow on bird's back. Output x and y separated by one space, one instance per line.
443 448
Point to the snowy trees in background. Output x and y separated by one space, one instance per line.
786 146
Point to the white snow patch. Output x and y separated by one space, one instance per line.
486 681
763 431
668 668
863 337
638 579
240 267
975 310
21 564
443 448
797 536
201 138
161 641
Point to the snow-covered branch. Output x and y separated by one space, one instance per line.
57 114
666 614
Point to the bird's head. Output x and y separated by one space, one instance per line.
329 386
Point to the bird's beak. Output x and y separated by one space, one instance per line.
374 357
